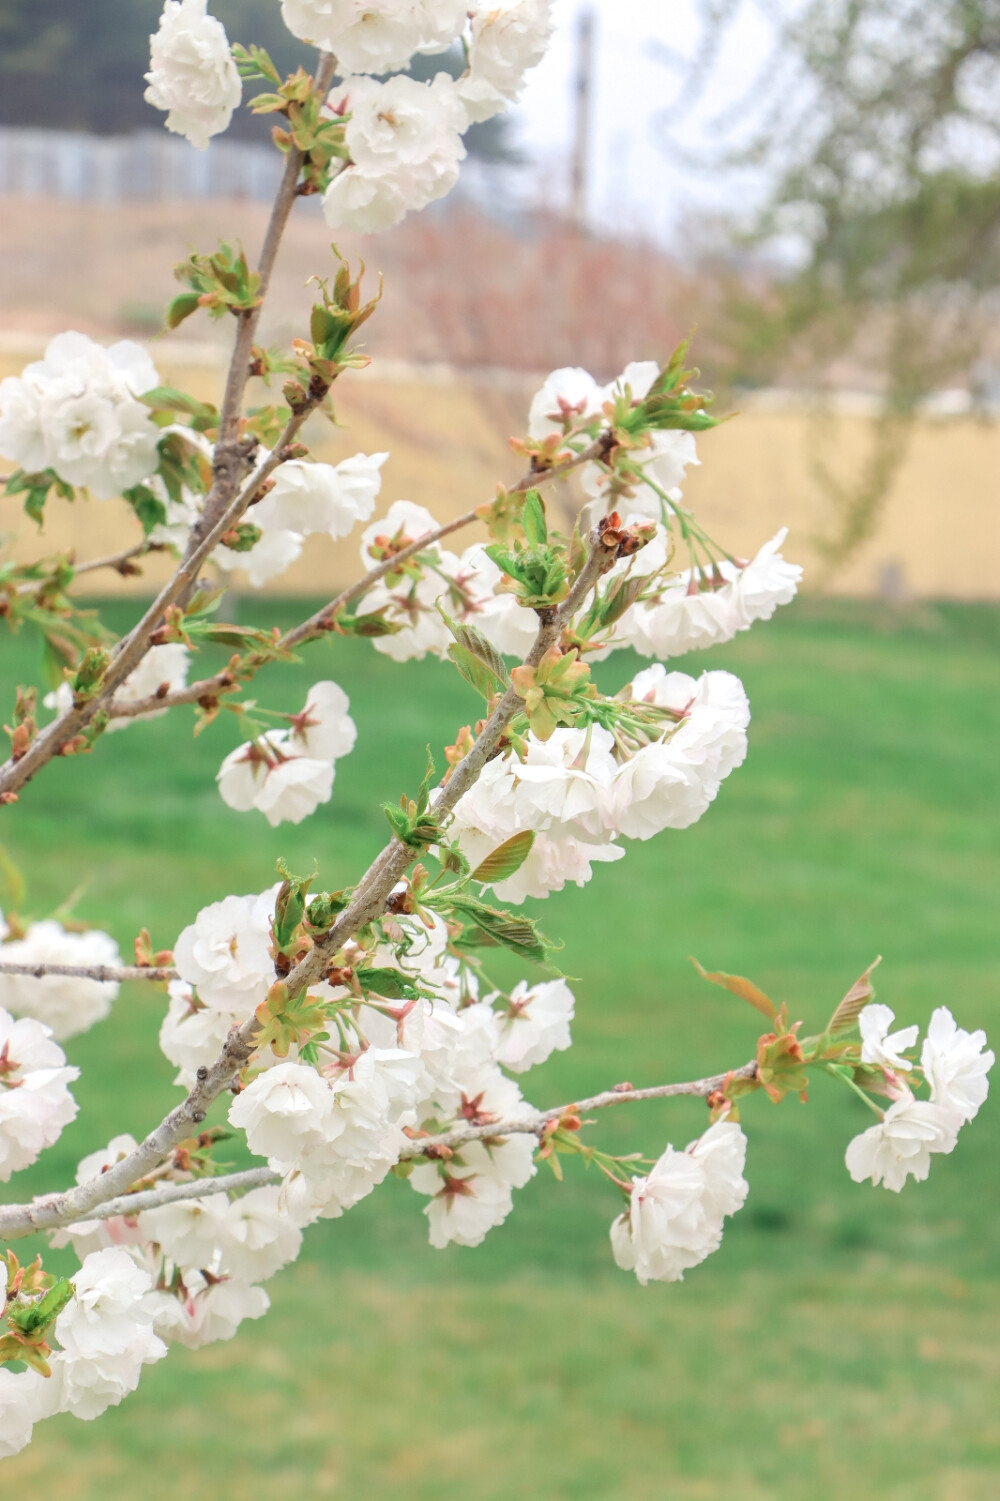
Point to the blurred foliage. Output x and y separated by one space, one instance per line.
79 65
875 129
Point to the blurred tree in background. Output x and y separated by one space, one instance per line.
78 65
875 128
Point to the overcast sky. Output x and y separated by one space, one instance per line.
633 183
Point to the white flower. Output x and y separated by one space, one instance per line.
191 1035
670 783
294 789
901 1144
192 73
65 1004
271 555
191 1232
309 498
695 611
563 787
405 144
25 1398
325 729
226 952
551 863
35 1102
286 774
508 38
569 395
76 411
369 1102
955 1064
877 1046
472 1192
106 1335
284 1112
377 36
675 1214
536 1024
260 1238
203 1313
403 523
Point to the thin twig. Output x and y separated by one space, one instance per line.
106 974
17 1220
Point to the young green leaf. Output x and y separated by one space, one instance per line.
505 859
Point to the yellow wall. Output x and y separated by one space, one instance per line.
939 533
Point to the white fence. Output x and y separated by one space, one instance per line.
149 164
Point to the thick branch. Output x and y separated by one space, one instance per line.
106 973
18 1220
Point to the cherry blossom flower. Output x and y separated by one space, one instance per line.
77 412
331 498
509 38
694 610
405 142
192 73
378 36
535 1025
25 1398
64 1004
225 953
568 397
878 1046
473 1191
955 1064
901 1144
204 1312
35 1102
192 1034
676 1212
106 1335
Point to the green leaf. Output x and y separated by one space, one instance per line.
475 671
533 520
167 399
519 934
181 307
149 509
505 859
475 642
854 1001
390 983
13 887
745 989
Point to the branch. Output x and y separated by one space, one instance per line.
320 623
133 647
221 510
368 904
105 973
18 1220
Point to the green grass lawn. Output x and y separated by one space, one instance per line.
843 1342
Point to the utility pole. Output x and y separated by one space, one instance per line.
583 104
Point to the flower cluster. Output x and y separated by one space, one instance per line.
105 1337
35 1102
192 73
581 789
676 1212
286 774
64 1004
305 499
78 413
954 1064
